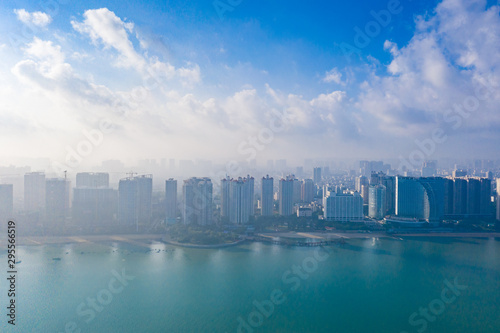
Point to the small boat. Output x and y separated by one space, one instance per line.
18 262
56 258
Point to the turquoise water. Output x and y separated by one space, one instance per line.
371 285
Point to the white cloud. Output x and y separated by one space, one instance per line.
38 19
333 76
445 61
104 27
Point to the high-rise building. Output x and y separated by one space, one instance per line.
421 198
307 190
224 197
34 192
135 200
171 200
57 204
92 180
251 194
343 207
459 196
239 201
297 191
94 206
267 195
317 175
390 194
485 197
286 196
197 201
473 196
6 202
377 201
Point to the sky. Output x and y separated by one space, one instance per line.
82 82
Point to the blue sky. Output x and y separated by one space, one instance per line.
221 71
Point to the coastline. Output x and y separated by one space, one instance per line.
198 246
146 239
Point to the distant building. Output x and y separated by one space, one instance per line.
34 192
429 168
377 201
135 200
343 207
459 173
57 204
94 206
197 201
286 196
171 200
317 175
267 196
6 203
92 180
307 190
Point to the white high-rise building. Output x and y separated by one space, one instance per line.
34 192
171 200
343 207
377 201
197 201
241 193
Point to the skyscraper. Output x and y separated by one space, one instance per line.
377 201
238 201
171 200
286 196
459 196
267 195
241 192
34 192
135 200
197 201
57 203
421 198
94 206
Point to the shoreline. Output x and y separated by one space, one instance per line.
199 246
146 239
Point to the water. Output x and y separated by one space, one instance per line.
371 285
